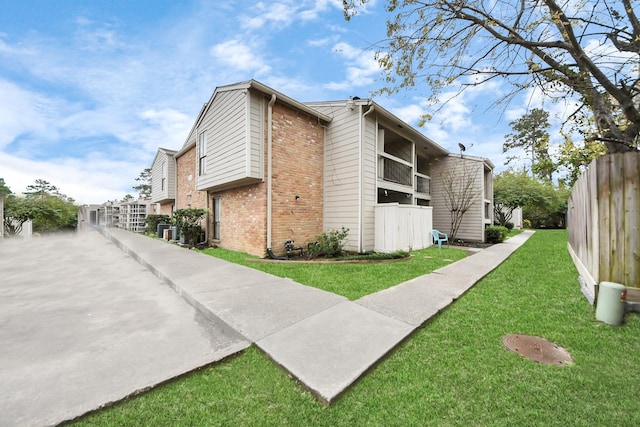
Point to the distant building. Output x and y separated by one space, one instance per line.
133 215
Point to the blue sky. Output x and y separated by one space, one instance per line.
90 89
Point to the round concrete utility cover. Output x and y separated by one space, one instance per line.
537 349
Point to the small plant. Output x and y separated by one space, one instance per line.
495 233
188 223
509 225
153 220
526 223
329 244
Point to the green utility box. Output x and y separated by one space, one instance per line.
610 303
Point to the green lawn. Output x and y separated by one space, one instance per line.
452 371
352 280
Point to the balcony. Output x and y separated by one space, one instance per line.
398 175
423 184
395 170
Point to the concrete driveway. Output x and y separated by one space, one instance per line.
82 324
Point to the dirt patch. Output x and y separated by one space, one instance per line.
478 245
298 260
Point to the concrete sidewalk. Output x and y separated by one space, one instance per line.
324 340
82 325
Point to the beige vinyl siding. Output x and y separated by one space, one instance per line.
369 183
341 178
158 194
256 135
231 141
472 226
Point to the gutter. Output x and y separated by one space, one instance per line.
269 165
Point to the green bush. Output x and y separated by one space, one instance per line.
188 223
526 223
153 220
329 244
509 226
495 234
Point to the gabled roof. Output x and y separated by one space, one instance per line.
388 116
256 85
166 151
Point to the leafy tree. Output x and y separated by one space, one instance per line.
532 135
542 202
552 210
17 211
576 158
4 190
513 189
144 186
589 50
44 205
40 189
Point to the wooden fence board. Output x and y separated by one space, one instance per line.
604 229
632 220
604 219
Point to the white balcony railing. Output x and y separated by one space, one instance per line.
423 184
395 171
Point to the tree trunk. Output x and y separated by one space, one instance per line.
614 138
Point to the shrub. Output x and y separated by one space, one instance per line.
496 233
526 223
153 221
188 223
509 226
329 244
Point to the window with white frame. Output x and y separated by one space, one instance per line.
202 154
164 176
216 218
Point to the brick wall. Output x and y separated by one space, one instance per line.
186 194
165 209
298 156
298 146
243 219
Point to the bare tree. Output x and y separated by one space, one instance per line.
589 50
460 193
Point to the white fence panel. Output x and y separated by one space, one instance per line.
402 227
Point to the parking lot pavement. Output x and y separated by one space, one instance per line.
82 325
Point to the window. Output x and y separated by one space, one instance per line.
202 154
164 175
216 218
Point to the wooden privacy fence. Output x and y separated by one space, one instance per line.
603 218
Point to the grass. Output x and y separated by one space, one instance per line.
452 371
352 281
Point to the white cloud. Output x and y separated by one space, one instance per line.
409 113
278 13
20 116
95 36
362 69
282 14
172 124
323 41
93 179
240 56
319 6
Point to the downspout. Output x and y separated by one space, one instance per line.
360 190
269 165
